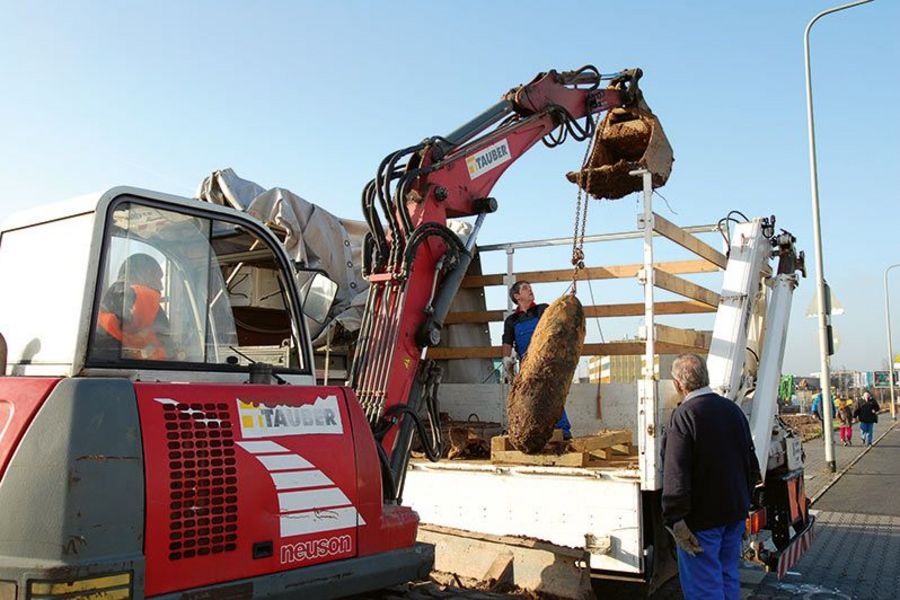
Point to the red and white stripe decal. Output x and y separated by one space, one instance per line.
793 553
303 510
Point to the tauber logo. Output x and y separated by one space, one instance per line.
489 158
260 420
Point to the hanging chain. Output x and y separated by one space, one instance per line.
581 209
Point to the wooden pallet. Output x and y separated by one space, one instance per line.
606 449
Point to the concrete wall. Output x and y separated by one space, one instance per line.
591 407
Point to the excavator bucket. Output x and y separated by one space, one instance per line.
627 139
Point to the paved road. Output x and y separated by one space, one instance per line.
817 474
856 553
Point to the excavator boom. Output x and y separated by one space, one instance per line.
415 264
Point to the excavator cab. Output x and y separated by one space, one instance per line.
161 430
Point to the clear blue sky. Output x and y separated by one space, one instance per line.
311 96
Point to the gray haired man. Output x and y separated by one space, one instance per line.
709 471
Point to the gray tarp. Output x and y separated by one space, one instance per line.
313 236
323 241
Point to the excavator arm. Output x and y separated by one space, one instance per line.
415 264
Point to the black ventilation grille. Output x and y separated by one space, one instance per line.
203 489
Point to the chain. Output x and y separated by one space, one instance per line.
582 200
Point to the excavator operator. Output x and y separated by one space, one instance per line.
131 323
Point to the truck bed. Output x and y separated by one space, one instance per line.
484 464
596 510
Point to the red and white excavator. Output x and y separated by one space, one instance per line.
161 430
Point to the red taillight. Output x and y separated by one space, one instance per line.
756 521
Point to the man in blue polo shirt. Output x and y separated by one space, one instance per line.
517 331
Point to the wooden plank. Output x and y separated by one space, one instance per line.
601 441
683 287
625 449
504 540
514 457
633 309
607 449
607 349
688 241
612 453
679 267
618 462
689 338
474 316
495 351
500 443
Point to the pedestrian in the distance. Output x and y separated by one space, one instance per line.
709 471
867 413
845 416
816 407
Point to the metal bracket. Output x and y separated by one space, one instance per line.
597 544
644 222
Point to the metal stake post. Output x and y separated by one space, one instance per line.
508 281
649 430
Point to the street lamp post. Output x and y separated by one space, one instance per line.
827 402
887 318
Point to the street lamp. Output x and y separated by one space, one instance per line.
887 318
827 402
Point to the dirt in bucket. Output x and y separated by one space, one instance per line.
538 393
626 140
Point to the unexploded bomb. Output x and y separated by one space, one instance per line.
538 393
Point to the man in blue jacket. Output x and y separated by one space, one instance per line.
517 331
709 471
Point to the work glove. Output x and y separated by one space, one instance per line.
509 368
685 538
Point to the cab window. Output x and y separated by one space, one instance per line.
186 289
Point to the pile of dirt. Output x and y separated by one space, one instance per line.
467 442
807 427
461 439
449 585
538 393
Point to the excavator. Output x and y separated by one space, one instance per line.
161 430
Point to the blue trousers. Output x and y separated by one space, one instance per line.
564 424
867 430
713 574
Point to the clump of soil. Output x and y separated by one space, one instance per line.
538 393
609 181
806 426
450 585
466 443
626 139
460 439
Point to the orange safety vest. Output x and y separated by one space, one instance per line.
137 336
